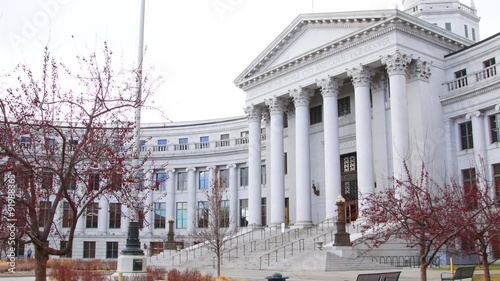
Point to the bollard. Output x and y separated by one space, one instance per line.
277 277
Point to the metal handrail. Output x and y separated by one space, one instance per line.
301 248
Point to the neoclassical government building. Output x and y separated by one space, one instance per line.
334 105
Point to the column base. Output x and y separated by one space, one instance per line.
131 265
303 224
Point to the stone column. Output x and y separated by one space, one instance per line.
254 114
301 98
478 137
277 108
170 193
191 201
380 129
361 78
103 215
330 88
396 66
233 196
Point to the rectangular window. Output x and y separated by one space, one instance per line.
47 179
489 68
263 174
140 179
224 178
285 120
466 135
447 26
204 142
344 106
203 214
224 140
160 215
182 181
461 78
466 31
181 215
316 115
224 137
142 145
63 245
473 32
116 181
73 144
89 249
92 215
285 159
470 188
50 143
161 181
43 214
115 215
243 212
111 250
94 181
496 179
71 182
495 128
243 176
162 145
183 140
263 210
25 142
204 181
224 213
67 215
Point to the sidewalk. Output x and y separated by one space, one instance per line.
298 274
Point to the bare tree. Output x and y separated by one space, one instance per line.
66 140
213 218
424 214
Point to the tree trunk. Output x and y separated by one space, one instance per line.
423 267
486 266
41 259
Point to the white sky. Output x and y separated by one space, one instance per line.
198 48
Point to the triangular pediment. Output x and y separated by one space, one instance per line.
312 35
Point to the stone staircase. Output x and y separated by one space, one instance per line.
270 249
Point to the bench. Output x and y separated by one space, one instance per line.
463 272
382 276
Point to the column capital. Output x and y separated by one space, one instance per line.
290 110
396 63
253 112
497 107
360 76
231 166
276 105
419 70
210 168
330 86
266 116
470 115
190 169
171 170
301 96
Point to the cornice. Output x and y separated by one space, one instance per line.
399 21
446 100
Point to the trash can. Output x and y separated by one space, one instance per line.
277 277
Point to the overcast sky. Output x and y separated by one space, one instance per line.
199 46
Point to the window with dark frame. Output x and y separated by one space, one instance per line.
111 250
243 176
224 213
115 215
92 215
461 77
67 215
160 215
181 215
344 106
94 180
182 181
466 138
263 179
490 68
495 128
244 212
470 188
62 245
43 214
89 249
47 179
203 214
224 178
496 180
204 180
161 181
316 114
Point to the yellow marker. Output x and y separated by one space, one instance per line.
451 265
